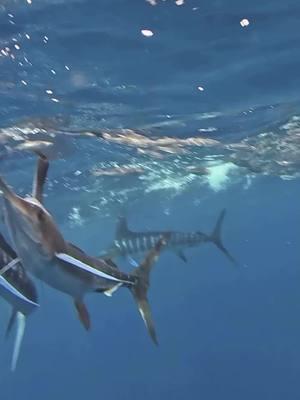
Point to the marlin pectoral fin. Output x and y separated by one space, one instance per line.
75 263
9 265
181 255
83 314
15 293
21 324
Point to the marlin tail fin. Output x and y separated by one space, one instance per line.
140 289
216 237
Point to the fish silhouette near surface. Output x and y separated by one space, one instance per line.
17 288
47 255
129 243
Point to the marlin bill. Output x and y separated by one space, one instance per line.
48 256
129 243
18 290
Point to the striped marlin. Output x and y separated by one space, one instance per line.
19 291
46 254
128 243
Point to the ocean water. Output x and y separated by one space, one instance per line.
166 112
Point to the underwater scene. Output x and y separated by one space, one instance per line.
149 196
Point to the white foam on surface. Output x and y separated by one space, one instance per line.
219 175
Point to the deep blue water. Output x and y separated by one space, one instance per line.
224 331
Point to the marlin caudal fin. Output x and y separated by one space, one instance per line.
140 289
40 178
216 238
21 324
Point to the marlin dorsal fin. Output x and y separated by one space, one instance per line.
40 178
122 228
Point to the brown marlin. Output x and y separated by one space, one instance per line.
47 255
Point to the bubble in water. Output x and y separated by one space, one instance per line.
147 32
244 22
